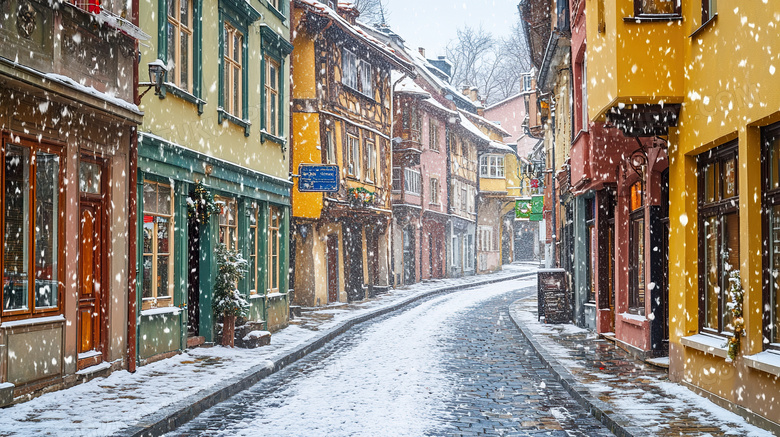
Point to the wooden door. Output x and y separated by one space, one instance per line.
91 300
333 268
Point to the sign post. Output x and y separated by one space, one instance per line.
318 178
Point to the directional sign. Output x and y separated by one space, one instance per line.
318 178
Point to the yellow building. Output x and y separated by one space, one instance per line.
713 63
341 114
218 129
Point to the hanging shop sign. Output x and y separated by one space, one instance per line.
537 206
523 209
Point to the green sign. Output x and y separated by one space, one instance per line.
523 209
537 206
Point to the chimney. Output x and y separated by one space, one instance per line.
421 50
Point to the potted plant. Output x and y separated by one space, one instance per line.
228 303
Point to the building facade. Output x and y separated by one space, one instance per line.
66 114
213 167
341 114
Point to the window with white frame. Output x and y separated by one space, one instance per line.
228 223
433 135
349 69
526 82
366 79
435 190
472 196
584 87
371 173
353 148
330 147
271 95
412 181
397 178
491 166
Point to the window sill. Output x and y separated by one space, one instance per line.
265 136
223 115
492 177
766 361
706 343
359 92
158 311
33 321
653 18
276 12
703 26
182 94
633 319
412 193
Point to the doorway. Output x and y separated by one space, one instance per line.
333 267
92 304
409 265
193 278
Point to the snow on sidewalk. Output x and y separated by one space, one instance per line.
104 406
639 392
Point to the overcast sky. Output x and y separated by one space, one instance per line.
433 23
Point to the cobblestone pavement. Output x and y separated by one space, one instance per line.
481 378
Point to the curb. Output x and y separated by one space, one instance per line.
169 418
602 411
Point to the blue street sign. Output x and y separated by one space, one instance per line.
318 178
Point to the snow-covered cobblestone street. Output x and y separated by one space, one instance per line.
452 365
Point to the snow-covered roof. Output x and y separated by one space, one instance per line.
501 146
356 31
471 127
506 100
435 103
407 85
487 123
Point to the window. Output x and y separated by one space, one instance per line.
469 251
371 174
366 79
349 69
491 166
656 7
636 244
32 253
330 146
233 46
271 96
718 235
228 223
275 4
771 205
274 245
592 247
252 276
180 43
454 251
433 135
412 181
157 246
353 148
526 82
435 191
464 198
397 179
709 9
485 238
584 88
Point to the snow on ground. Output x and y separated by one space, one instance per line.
104 406
654 403
402 388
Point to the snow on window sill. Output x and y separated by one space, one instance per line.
92 369
33 321
709 344
157 311
272 295
767 361
634 319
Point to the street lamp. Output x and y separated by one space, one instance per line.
157 73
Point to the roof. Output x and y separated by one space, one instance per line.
489 124
465 122
501 146
405 85
507 100
435 103
324 10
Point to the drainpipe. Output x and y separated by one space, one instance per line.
553 236
391 240
132 193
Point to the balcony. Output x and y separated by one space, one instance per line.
635 66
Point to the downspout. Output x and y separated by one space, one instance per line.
552 175
391 240
132 193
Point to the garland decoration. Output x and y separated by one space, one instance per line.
361 196
201 204
736 295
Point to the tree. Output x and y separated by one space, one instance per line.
493 65
372 11
228 303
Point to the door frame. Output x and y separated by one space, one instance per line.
99 202
332 267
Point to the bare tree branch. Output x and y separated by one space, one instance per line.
372 11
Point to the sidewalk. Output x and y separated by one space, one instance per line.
162 395
631 397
